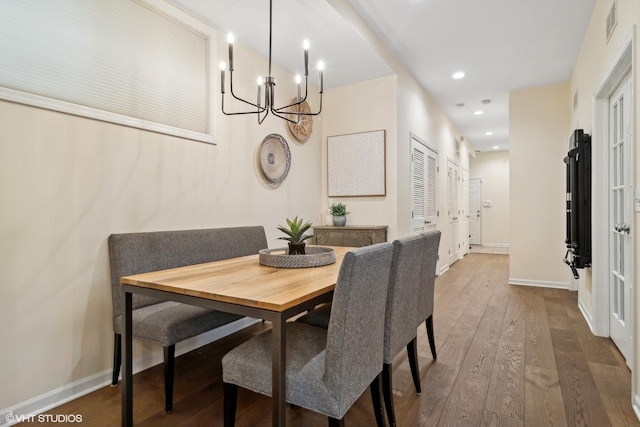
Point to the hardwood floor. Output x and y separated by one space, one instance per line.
507 355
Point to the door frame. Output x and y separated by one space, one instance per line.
455 256
598 318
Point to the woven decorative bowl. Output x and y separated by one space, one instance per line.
316 256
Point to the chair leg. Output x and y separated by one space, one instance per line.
432 341
230 402
387 391
412 351
333 422
117 358
169 369
377 403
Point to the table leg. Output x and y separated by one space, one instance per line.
127 356
279 371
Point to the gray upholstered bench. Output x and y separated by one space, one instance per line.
168 322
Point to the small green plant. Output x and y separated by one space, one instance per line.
338 209
296 230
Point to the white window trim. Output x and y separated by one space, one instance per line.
158 6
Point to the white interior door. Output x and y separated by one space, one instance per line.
620 215
464 213
453 211
424 186
475 210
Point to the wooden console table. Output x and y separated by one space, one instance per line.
350 235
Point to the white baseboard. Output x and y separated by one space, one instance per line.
538 283
44 402
636 405
443 269
495 245
586 315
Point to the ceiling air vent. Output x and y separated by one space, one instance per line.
612 20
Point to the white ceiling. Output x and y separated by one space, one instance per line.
501 45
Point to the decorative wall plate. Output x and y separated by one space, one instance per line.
275 157
302 130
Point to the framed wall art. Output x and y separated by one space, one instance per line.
356 164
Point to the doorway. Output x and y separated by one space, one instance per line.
464 213
612 270
475 211
453 209
620 218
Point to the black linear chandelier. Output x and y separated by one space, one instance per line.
262 109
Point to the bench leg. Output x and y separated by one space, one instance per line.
117 358
230 401
169 368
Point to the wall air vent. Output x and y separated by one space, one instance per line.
612 19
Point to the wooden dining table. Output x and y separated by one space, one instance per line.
241 286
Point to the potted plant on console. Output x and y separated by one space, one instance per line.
295 235
339 212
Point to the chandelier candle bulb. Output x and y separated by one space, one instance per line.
230 39
305 45
259 90
223 66
320 76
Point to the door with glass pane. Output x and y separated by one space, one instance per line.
620 211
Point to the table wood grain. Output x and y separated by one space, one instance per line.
245 281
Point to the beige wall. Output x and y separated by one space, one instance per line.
416 113
420 115
595 60
68 182
357 108
539 132
493 168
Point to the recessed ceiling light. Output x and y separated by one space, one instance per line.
495 147
460 105
457 75
478 112
489 133
486 101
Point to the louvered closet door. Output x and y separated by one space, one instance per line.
424 174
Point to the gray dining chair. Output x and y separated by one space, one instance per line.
426 294
411 291
400 330
327 369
